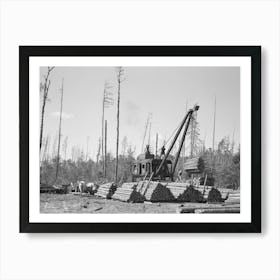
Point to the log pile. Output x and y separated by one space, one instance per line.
210 209
214 196
106 190
221 210
154 191
233 197
205 191
47 189
127 192
191 195
177 188
194 165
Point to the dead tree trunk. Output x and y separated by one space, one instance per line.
156 145
98 152
59 133
107 102
45 89
118 131
120 73
45 149
185 147
213 144
105 151
214 126
65 144
87 149
102 136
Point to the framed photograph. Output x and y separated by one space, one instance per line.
140 139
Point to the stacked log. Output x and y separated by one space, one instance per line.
106 190
127 192
205 191
229 195
191 195
194 165
221 210
177 188
210 209
154 191
44 188
233 197
141 185
214 196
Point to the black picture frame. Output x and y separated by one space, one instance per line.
25 52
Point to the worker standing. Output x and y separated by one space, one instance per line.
179 179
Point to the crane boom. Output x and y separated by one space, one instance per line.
186 122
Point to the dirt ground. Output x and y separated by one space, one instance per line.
69 203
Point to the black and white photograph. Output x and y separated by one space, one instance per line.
140 136
139 139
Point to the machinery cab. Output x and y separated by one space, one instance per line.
147 164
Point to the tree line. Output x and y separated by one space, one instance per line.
222 165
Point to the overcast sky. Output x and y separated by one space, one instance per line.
163 91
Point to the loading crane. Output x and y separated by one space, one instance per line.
162 168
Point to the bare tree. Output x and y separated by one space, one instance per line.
213 144
48 149
194 136
87 148
107 102
54 147
65 143
105 151
156 145
45 89
184 150
124 146
81 154
98 151
145 131
73 153
120 79
76 153
232 142
45 147
130 151
59 133
214 126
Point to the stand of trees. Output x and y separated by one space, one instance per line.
86 169
223 166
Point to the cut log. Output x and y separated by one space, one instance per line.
218 210
185 210
127 192
214 196
191 195
106 190
194 165
154 191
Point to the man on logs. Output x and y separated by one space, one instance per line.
162 152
